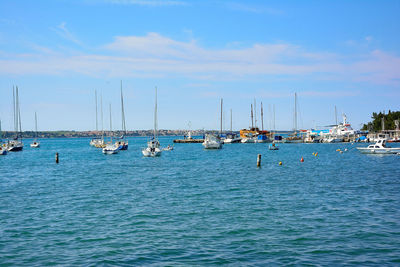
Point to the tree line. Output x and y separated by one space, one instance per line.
389 120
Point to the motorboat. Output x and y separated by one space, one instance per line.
122 144
379 148
15 145
35 144
262 138
153 149
168 148
212 141
249 139
153 146
231 138
110 148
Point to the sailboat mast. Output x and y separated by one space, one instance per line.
336 115
155 117
255 113
14 113
252 126
19 113
36 125
274 116
95 100
220 131
110 125
231 121
262 118
295 112
123 112
101 115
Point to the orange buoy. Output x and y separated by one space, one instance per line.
316 154
280 162
301 160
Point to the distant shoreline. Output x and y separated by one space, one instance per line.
92 134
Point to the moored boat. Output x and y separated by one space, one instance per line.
379 148
153 146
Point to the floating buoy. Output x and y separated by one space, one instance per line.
280 162
301 160
57 157
316 154
345 149
313 154
338 149
258 160
341 152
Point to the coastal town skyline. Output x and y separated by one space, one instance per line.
343 54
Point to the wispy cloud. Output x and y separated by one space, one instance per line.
154 55
153 3
62 31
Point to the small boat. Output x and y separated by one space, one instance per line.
153 146
212 141
35 143
249 139
273 147
379 148
3 150
168 148
231 137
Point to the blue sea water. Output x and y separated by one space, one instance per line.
197 207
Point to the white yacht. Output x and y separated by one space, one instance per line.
338 132
153 146
379 148
212 141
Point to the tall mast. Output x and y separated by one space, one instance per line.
295 112
220 131
36 124
231 120
255 113
95 97
274 117
262 118
101 115
14 113
123 112
19 113
155 117
252 126
110 125
336 116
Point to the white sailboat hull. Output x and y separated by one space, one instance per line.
365 150
110 149
151 152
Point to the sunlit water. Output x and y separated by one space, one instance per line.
197 207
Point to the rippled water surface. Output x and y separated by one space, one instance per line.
198 207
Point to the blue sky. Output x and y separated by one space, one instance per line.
343 53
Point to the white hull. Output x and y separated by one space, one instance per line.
365 150
212 145
35 145
151 152
110 149
293 141
232 140
248 140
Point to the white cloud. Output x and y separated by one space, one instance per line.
154 55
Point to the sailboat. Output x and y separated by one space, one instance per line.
110 147
262 136
122 143
231 137
153 146
35 143
16 144
294 138
97 141
211 140
250 136
3 148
